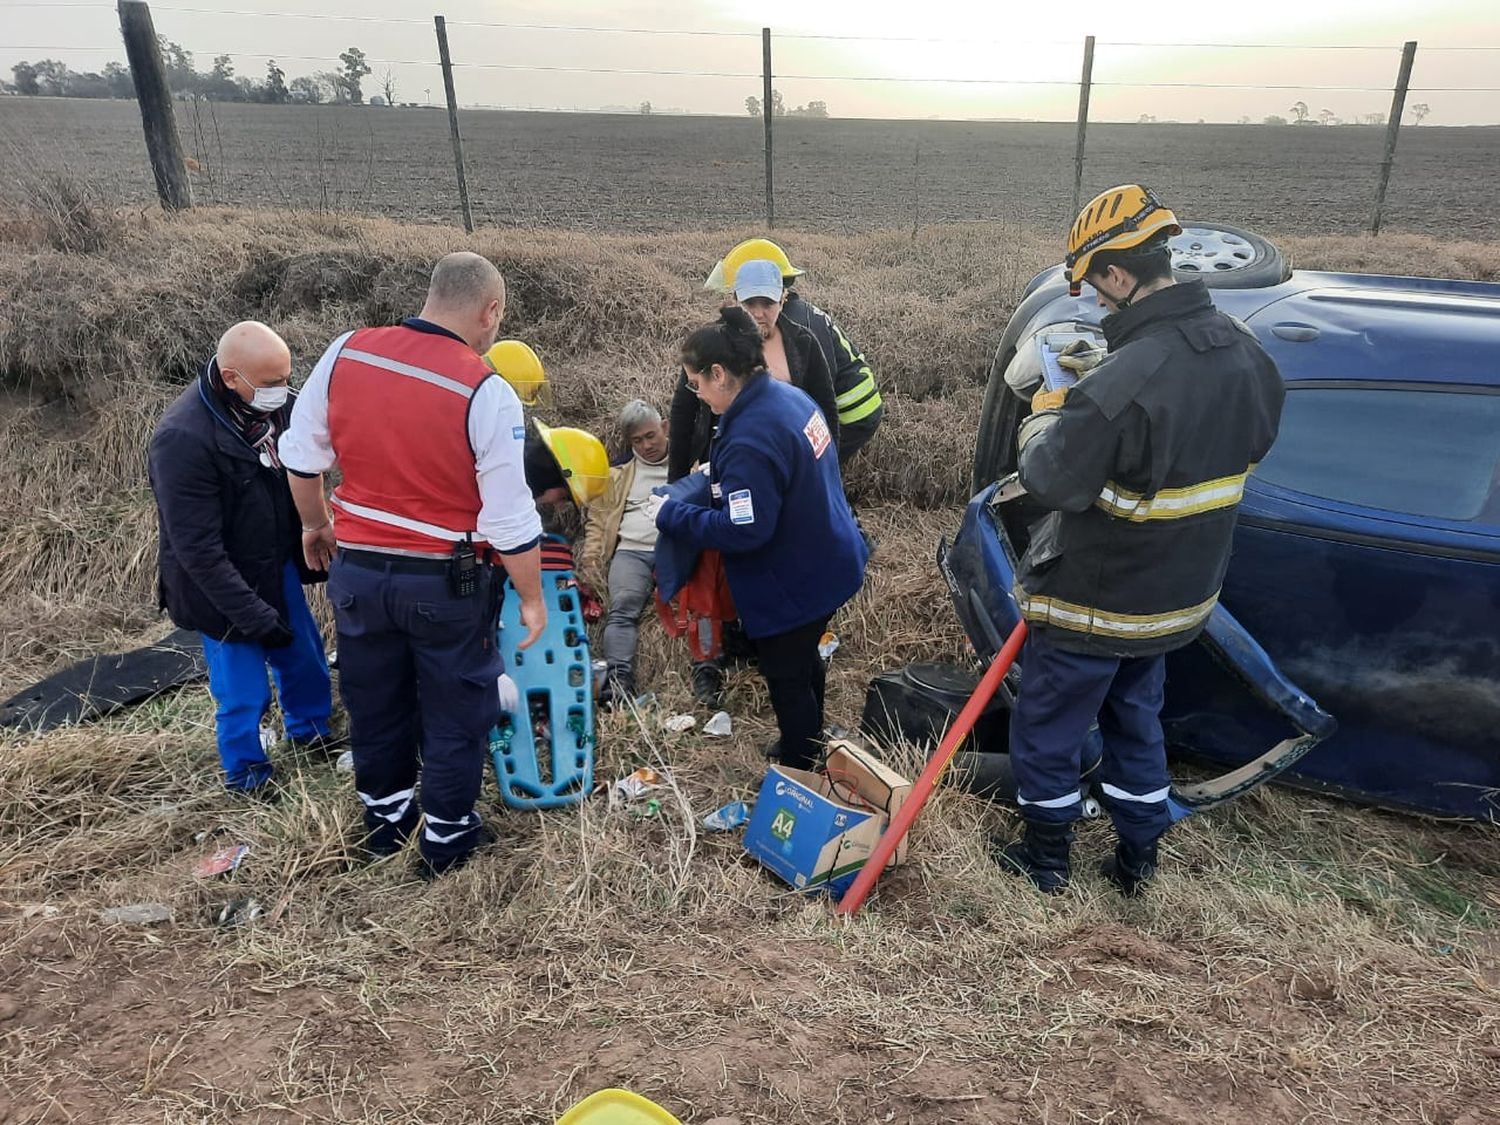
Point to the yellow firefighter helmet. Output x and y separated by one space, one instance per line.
582 459
519 366
721 280
1118 219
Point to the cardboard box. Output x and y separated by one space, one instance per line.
815 830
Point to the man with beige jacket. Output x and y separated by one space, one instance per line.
619 542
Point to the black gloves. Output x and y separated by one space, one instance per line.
277 636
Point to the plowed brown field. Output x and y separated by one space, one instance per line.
622 173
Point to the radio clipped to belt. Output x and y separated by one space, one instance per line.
463 569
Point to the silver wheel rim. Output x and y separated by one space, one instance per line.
1201 250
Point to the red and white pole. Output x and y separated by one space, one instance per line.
864 882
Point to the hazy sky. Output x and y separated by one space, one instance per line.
1029 46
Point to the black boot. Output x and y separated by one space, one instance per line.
1130 868
327 746
619 690
430 869
708 684
389 839
1041 854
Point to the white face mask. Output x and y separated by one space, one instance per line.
268 399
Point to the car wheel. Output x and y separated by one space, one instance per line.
999 418
1226 257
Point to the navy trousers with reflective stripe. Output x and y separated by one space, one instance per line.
1062 693
418 667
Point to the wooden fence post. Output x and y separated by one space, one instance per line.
1085 85
1392 130
458 140
767 112
155 98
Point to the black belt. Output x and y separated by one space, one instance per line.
394 564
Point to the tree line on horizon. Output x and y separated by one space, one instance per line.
779 109
51 78
345 86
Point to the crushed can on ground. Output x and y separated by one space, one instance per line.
728 817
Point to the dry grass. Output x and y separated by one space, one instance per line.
1301 960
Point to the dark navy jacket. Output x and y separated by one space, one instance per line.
227 523
676 559
1143 468
792 551
692 422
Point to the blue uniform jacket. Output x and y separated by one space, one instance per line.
792 551
676 559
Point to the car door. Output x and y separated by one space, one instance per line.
1367 559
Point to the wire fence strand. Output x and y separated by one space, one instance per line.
713 33
336 77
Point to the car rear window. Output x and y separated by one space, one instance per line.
1427 453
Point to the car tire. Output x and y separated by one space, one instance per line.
988 775
999 418
1225 257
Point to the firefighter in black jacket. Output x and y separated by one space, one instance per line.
857 398
1142 465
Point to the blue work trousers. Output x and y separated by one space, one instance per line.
237 680
418 673
1062 693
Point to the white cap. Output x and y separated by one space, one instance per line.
759 277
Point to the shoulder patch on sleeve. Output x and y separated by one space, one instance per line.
741 507
816 432
518 432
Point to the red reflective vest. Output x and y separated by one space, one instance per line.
398 419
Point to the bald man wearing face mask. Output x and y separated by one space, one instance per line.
231 561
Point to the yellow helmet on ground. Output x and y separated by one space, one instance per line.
582 459
721 280
519 366
1118 219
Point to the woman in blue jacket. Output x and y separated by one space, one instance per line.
792 551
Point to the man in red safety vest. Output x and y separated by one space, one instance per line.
433 504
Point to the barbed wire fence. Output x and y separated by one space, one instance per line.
173 185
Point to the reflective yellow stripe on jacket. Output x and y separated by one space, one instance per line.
1097 622
862 399
1172 503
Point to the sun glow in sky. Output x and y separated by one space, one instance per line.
863 58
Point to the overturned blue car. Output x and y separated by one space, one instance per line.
1357 644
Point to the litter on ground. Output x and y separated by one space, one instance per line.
239 911
222 861
635 785
137 914
730 816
